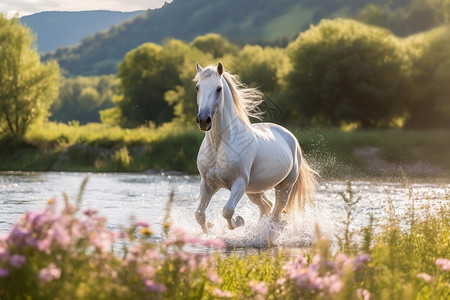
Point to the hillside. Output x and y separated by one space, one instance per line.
241 21
61 29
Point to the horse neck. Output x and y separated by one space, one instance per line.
227 123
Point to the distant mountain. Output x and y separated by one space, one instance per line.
242 21
61 29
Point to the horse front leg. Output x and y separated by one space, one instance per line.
237 191
206 193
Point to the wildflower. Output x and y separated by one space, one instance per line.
443 263
152 287
4 272
426 277
221 294
363 294
145 231
258 287
214 278
141 224
335 284
214 243
281 281
359 260
146 271
17 260
44 245
51 272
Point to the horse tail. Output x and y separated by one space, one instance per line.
303 190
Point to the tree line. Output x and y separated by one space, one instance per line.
336 73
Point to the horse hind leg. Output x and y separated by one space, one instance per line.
282 192
264 204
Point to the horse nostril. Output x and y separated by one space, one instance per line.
198 121
208 120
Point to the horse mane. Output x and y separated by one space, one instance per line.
246 99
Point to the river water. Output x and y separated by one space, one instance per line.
144 197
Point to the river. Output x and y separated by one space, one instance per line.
144 197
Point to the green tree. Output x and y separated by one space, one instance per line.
81 98
144 76
214 44
429 103
183 96
345 71
27 86
260 66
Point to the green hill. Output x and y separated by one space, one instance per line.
241 21
62 28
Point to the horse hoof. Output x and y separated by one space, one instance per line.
239 221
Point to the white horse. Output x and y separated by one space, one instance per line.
244 157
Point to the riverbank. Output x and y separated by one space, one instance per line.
334 153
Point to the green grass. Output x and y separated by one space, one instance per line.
333 152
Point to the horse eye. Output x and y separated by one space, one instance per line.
219 89
196 87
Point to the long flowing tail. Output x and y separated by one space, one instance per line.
303 190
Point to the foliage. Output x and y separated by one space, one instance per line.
81 98
182 97
57 252
344 71
405 17
262 67
214 44
143 77
242 21
429 102
27 87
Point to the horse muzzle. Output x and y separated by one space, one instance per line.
204 123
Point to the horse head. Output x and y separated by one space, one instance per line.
209 94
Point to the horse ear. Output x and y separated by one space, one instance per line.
199 68
220 68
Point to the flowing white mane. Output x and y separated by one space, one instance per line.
246 100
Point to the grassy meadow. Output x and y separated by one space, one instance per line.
333 152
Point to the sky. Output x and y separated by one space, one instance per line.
27 7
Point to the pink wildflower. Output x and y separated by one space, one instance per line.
258 287
363 294
214 278
4 272
281 281
426 277
335 284
141 224
359 260
51 272
17 260
443 263
44 245
152 287
146 271
214 243
221 294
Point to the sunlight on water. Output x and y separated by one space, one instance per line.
144 197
